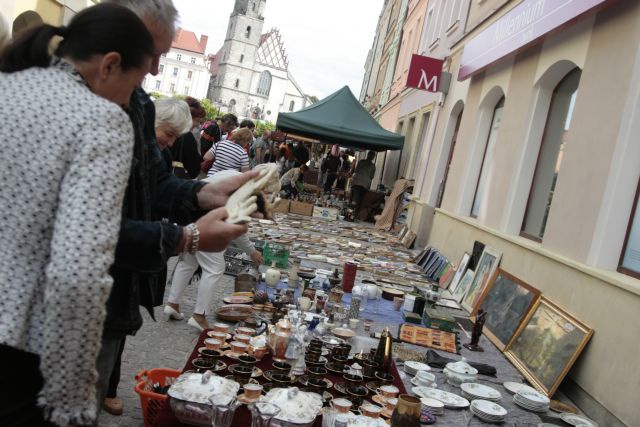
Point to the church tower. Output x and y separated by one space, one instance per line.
237 57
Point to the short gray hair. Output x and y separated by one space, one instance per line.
163 12
5 37
175 114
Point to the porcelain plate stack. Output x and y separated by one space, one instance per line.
411 367
488 411
473 391
531 400
432 405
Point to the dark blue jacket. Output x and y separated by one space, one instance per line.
146 241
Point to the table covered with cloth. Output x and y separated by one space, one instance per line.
242 416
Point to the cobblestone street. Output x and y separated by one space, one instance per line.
160 344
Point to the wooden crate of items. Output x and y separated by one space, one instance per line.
325 213
301 208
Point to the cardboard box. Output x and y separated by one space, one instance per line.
301 208
436 319
282 206
325 213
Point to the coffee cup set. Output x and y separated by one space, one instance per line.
387 397
424 379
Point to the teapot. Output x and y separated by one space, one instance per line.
460 372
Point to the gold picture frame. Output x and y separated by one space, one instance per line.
507 300
487 265
547 344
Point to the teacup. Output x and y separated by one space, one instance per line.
371 411
391 403
388 391
212 343
341 405
338 361
257 352
203 364
245 331
209 354
313 355
282 380
356 394
384 377
221 327
242 374
317 385
238 347
242 338
252 391
353 323
353 379
369 368
220 336
283 366
247 359
316 371
425 379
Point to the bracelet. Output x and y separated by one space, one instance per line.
195 238
188 239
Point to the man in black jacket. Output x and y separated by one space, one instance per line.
157 207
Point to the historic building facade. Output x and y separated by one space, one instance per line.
250 72
533 150
184 69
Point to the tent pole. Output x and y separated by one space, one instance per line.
399 163
382 170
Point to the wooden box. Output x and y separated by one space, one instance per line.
282 206
325 213
301 208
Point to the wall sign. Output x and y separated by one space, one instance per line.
425 73
521 26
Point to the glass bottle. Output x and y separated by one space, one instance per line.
222 414
384 351
262 413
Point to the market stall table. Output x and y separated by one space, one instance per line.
166 418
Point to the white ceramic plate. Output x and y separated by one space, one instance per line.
577 420
450 400
480 391
513 387
415 383
534 397
432 403
415 366
492 409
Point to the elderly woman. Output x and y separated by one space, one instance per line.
173 119
213 267
61 222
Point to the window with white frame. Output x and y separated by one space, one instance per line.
179 57
247 34
237 83
160 68
292 105
172 88
550 155
186 90
487 159
193 60
158 84
630 259
454 14
241 58
264 84
189 74
175 71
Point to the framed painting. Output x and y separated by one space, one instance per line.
462 267
487 265
507 301
463 286
547 344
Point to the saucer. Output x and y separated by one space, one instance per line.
416 383
257 372
373 385
232 378
210 335
320 362
340 388
280 368
386 413
245 400
331 368
231 355
379 400
304 378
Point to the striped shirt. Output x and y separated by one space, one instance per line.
228 155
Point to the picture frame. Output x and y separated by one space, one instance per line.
507 300
462 267
489 261
547 344
463 286
446 276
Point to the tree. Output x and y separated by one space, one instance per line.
156 95
261 126
313 99
211 110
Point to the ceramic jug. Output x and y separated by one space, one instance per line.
272 276
407 413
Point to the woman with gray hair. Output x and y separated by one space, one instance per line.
173 118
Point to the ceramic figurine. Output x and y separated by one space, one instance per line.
476 332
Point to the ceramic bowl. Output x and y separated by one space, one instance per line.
297 407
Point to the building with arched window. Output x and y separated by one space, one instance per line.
534 151
253 68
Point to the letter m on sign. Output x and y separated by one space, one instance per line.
424 73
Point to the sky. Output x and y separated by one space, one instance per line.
327 41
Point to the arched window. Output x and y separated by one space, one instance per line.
264 84
292 104
253 6
237 83
550 155
454 138
241 58
630 259
248 33
487 159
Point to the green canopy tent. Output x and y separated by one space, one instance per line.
340 119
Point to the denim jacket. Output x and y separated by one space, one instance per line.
146 241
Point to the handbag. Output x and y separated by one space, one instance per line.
177 166
205 165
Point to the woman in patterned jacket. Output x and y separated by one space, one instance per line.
60 220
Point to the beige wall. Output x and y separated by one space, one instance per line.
606 369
